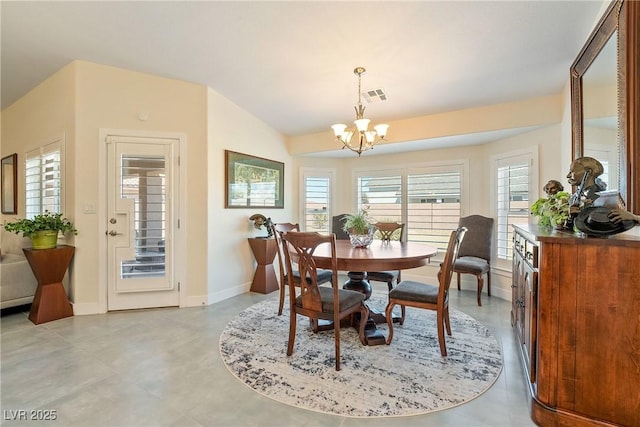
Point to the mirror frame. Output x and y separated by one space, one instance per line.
623 16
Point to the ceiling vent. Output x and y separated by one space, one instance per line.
374 95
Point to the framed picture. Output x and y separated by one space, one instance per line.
9 184
253 181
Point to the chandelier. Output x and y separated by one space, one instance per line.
364 139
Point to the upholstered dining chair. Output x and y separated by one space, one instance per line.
427 296
324 276
336 227
388 231
474 256
314 301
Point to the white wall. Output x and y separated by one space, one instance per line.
229 259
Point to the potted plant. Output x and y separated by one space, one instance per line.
43 229
552 211
359 228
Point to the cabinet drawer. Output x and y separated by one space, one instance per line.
526 248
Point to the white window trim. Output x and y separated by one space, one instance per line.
532 153
51 144
306 172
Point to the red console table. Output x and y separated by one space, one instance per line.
49 266
264 251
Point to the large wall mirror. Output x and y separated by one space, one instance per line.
604 100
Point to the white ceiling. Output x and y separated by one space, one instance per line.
291 63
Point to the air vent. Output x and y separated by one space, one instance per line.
374 95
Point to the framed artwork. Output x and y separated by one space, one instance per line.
253 181
9 183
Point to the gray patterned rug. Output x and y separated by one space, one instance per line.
409 377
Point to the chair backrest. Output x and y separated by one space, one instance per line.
387 230
277 230
300 249
336 227
477 241
446 267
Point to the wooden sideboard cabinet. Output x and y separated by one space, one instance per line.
576 317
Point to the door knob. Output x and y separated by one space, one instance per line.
113 220
114 233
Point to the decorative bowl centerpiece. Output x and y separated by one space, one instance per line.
359 228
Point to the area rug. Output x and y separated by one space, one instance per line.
408 377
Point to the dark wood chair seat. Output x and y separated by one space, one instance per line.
308 298
427 296
324 276
388 231
474 256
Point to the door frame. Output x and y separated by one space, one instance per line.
180 248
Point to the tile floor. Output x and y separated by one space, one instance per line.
162 367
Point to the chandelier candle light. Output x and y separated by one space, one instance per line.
365 138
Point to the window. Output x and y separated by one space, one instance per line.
427 200
316 196
381 196
434 207
514 179
43 179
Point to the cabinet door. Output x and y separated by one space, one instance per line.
517 295
529 326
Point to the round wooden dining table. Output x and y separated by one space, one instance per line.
379 256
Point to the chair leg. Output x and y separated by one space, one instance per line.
336 338
489 282
443 346
282 286
388 315
292 332
480 286
364 314
458 280
447 322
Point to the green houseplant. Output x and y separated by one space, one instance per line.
552 211
43 229
359 229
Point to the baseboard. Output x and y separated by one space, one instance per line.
81 309
214 297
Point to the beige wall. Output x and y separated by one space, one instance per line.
84 98
112 98
79 101
541 111
551 141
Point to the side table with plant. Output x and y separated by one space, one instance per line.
43 229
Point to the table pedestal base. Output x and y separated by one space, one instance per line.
358 282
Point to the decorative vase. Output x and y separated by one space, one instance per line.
361 240
46 239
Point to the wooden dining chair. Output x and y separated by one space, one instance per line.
324 276
427 296
314 301
474 256
336 227
388 231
